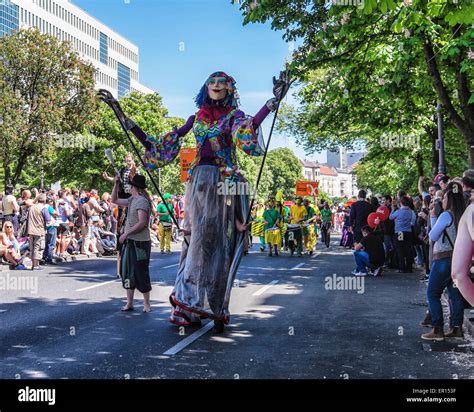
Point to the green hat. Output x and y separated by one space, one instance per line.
166 196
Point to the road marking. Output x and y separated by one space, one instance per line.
265 288
190 339
170 266
297 266
96 286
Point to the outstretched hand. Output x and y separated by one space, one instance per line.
111 101
281 85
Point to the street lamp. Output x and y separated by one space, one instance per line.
440 141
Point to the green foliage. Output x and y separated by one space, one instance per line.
45 89
378 70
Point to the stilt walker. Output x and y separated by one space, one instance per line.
215 219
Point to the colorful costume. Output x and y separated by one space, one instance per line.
258 227
272 231
205 277
298 213
310 234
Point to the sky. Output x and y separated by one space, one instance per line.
181 42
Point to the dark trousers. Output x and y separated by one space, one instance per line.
404 245
326 234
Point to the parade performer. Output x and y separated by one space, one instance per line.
213 217
271 218
326 223
258 226
164 211
309 233
284 213
298 216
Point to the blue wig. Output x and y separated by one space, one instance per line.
232 98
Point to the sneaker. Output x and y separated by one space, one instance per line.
455 333
361 274
36 268
354 271
378 271
437 335
20 267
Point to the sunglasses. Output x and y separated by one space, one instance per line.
219 81
8 227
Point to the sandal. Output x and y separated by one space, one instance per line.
127 308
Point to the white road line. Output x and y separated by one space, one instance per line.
265 288
190 339
170 266
96 286
297 266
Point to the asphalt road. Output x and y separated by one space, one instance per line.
288 321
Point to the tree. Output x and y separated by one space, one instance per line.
45 91
378 67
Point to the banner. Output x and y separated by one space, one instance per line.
306 188
186 157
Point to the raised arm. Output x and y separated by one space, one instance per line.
115 198
421 189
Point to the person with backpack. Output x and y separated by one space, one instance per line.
443 234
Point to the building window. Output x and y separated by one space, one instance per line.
123 80
9 17
104 48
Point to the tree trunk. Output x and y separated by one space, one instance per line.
6 174
470 151
419 164
94 181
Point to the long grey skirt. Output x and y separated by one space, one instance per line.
208 266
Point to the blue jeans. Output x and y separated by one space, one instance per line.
51 233
440 278
419 255
362 261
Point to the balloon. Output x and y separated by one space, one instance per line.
383 210
374 219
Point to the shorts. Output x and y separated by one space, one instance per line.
36 247
63 229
